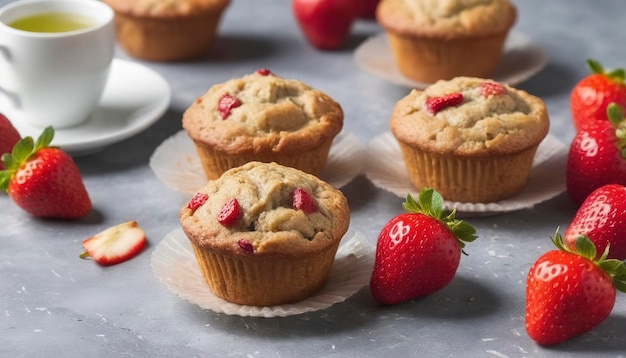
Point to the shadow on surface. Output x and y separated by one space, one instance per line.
229 48
607 337
360 192
361 311
553 79
349 315
462 298
132 151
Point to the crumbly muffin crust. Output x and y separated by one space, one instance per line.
269 222
164 9
450 19
479 126
275 114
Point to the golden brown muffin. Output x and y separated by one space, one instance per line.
263 117
167 30
471 139
279 241
441 39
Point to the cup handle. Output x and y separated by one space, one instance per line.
5 54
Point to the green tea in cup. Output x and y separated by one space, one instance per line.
52 22
49 74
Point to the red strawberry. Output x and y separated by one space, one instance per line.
303 201
115 244
245 245
435 105
230 213
602 218
44 181
591 96
226 104
492 89
264 71
418 252
597 155
569 293
9 136
197 201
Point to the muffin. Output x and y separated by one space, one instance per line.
262 117
264 234
471 139
167 30
441 39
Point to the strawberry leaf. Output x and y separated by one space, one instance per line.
463 231
430 202
615 114
22 150
8 161
595 66
5 178
45 138
617 75
584 247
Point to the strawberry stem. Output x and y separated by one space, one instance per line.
430 202
22 151
617 75
584 247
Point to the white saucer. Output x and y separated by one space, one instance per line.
134 98
175 162
174 264
385 169
521 59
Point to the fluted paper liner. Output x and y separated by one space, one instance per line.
173 263
264 281
386 169
176 163
521 59
474 180
215 163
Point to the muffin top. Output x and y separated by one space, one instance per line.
448 19
266 209
470 117
262 111
165 8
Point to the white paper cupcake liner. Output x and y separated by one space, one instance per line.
173 263
176 164
386 170
521 59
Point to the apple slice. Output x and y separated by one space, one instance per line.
115 244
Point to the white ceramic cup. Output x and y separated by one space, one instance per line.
54 78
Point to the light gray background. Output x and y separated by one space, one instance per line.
53 304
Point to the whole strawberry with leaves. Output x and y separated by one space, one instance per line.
418 252
44 181
602 218
591 96
597 155
570 292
